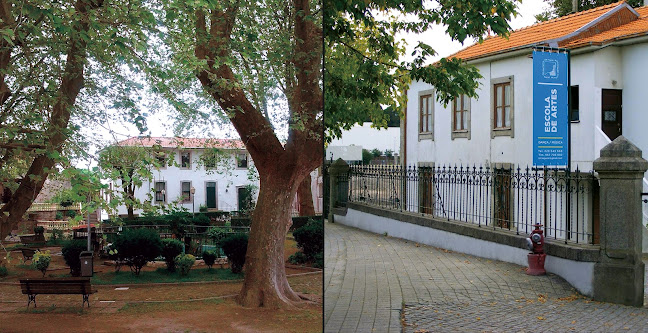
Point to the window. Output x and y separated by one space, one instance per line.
185 160
185 187
242 160
502 109
461 117
426 114
573 112
160 192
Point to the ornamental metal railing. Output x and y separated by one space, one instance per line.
564 202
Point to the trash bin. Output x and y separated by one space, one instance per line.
86 263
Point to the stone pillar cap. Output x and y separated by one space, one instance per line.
620 155
339 165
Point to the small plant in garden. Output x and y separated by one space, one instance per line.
209 257
171 248
71 214
137 247
39 230
71 251
235 247
3 271
58 216
41 261
202 209
57 234
310 239
184 262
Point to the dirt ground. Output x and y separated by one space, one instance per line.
185 307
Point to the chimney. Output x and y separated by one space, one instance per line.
575 5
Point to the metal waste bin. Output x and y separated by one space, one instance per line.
86 263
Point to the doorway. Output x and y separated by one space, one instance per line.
611 117
211 195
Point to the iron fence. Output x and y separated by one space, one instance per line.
564 202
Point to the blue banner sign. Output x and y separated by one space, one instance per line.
550 109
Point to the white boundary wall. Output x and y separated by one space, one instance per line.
578 274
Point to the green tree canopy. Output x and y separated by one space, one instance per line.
558 8
364 73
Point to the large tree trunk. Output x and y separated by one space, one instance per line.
305 197
265 272
71 84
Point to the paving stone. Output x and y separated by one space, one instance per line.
375 283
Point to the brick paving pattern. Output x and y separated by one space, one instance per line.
375 283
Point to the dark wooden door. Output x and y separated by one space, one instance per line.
211 195
611 119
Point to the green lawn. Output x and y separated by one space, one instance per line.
162 275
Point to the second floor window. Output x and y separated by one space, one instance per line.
242 160
185 160
460 108
502 105
425 113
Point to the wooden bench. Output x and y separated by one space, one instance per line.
73 285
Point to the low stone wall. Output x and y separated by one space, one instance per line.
574 263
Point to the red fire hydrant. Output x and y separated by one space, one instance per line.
537 257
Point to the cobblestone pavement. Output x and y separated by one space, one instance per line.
375 283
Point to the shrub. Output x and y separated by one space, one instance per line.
318 260
171 248
202 221
184 262
3 271
177 221
57 234
209 257
235 247
71 251
58 216
41 261
298 258
310 238
137 247
217 235
39 230
71 213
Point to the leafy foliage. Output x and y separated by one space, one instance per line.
202 221
171 248
3 271
209 257
184 262
217 235
137 247
310 238
235 247
39 230
560 8
41 261
365 76
71 251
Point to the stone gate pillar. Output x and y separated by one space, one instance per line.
337 169
619 275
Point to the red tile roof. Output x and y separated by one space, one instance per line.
595 26
177 142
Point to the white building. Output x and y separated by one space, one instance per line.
193 176
218 183
609 66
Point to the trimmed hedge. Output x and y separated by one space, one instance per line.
235 247
71 251
310 238
171 248
137 247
